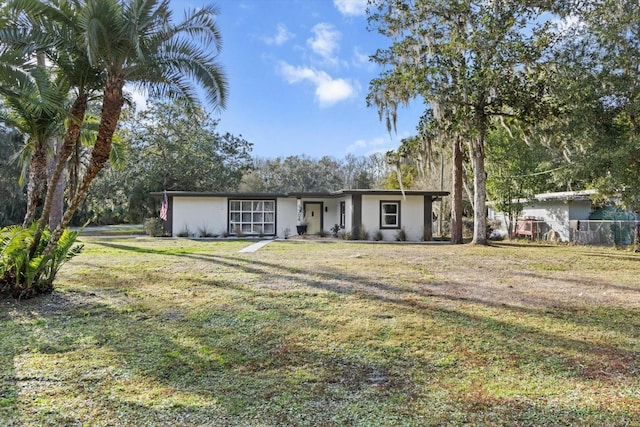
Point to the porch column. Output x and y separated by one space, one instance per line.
356 212
428 218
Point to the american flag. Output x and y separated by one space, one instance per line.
165 207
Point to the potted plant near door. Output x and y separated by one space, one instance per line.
301 228
301 225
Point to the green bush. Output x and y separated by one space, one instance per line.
153 227
359 233
25 275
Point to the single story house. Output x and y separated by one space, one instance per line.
570 217
200 214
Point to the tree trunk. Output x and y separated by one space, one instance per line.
111 107
35 186
456 193
71 137
57 205
480 192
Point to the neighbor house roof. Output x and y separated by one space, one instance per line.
566 195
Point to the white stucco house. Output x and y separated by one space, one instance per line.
200 214
553 211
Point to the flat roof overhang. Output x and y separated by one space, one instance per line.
304 194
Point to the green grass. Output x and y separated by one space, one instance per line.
179 332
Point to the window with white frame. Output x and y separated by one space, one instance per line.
343 214
252 217
389 214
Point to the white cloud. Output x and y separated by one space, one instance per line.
138 96
325 41
282 36
360 143
371 146
329 91
379 144
351 7
361 59
569 24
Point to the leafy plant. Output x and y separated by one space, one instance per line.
204 232
377 236
335 229
401 235
184 232
24 274
359 233
153 227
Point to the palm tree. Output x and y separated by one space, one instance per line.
29 110
118 42
136 42
107 44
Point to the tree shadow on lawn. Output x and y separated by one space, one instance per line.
415 298
12 340
343 282
530 349
147 368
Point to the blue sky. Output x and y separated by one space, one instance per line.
299 73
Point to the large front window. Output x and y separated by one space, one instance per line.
389 214
252 217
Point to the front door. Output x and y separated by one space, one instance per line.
313 216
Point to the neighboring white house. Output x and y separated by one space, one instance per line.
556 211
200 214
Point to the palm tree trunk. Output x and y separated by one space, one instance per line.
35 186
57 205
71 137
111 107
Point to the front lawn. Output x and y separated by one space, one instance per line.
170 332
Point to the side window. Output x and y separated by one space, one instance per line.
343 210
389 214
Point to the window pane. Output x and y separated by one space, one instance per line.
390 220
390 208
246 228
257 206
235 205
235 217
268 229
257 217
246 206
246 217
269 206
268 217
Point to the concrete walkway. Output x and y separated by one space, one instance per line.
254 247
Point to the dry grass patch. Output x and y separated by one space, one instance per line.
180 332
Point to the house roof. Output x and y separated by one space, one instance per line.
326 194
566 195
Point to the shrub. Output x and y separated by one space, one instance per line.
184 232
377 236
153 227
401 235
359 233
25 275
204 232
